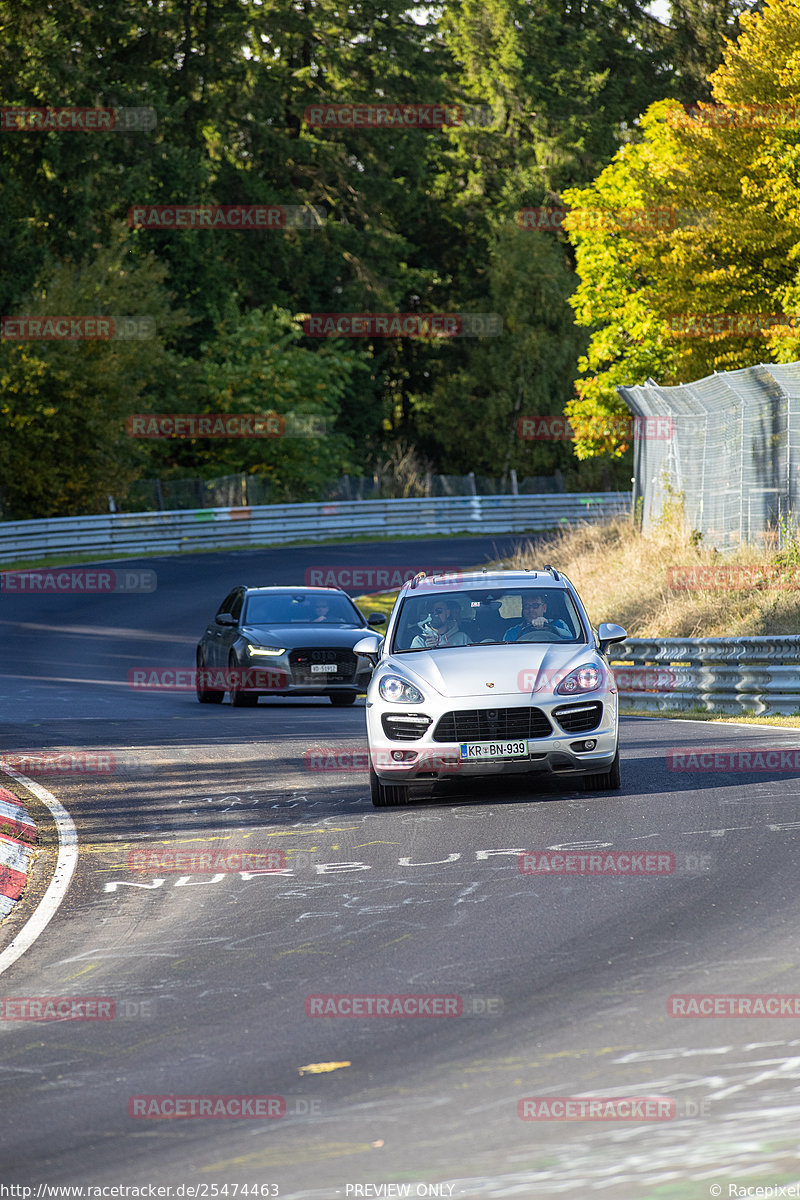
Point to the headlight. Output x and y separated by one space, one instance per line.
395 689
270 651
583 679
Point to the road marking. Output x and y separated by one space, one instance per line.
66 863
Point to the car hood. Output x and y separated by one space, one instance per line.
303 635
468 670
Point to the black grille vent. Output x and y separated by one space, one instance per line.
492 725
301 661
579 720
404 727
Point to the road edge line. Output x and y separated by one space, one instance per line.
66 862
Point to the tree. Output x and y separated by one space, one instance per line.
482 386
257 365
728 179
63 404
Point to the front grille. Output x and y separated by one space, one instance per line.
301 661
404 727
492 724
579 720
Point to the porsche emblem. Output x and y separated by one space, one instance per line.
490 685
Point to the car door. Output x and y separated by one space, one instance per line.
231 632
218 636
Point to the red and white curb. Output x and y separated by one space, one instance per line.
66 863
17 831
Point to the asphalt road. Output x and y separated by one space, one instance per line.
563 981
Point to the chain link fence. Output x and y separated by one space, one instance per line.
728 445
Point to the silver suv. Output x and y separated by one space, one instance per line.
496 672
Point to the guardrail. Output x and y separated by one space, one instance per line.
756 675
273 524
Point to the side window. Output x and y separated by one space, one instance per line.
229 602
238 600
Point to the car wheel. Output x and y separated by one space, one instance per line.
604 781
386 795
340 699
240 699
205 695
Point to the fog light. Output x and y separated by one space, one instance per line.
404 755
590 745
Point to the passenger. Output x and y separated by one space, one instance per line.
534 617
441 627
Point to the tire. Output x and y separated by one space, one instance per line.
604 781
205 695
341 699
241 699
387 795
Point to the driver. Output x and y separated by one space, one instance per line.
321 607
534 617
441 627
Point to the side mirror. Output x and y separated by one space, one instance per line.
225 619
376 619
609 635
369 647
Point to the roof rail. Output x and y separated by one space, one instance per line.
553 572
420 575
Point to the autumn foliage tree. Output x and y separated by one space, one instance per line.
700 218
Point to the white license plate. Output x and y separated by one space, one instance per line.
323 668
492 750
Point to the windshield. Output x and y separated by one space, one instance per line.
301 608
461 618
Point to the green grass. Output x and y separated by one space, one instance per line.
698 714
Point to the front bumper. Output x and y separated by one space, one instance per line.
559 753
283 676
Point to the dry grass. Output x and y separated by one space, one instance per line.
622 575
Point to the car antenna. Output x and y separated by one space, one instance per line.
553 572
420 575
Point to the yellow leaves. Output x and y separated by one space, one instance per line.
322 1068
